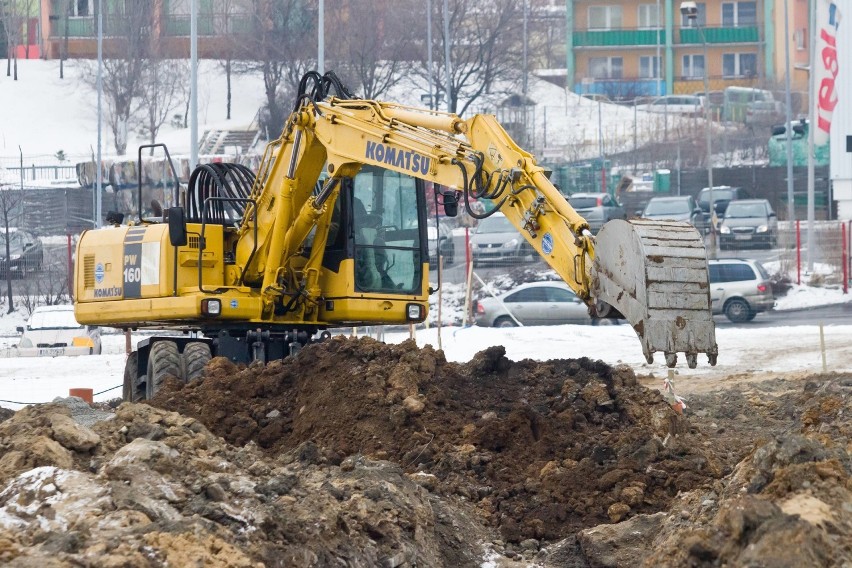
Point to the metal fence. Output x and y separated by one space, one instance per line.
822 260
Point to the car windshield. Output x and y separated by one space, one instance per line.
583 202
743 210
495 224
53 319
667 207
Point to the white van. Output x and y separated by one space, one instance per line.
52 331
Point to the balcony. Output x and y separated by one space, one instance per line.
639 37
87 26
720 34
619 37
620 89
176 25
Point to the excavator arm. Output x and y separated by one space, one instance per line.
653 274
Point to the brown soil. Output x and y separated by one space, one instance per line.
542 449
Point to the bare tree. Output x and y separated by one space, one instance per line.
281 46
11 198
163 90
14 15
125 67
378 46
485 47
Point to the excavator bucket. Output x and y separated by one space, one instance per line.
655 274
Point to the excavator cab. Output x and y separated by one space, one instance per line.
378 223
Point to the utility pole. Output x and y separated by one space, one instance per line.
433 103
791 206
449 88
100 82
691 12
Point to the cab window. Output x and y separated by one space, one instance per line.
386 232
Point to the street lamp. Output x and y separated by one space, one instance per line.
690 10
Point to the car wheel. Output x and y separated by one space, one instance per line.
505 321
752 314
737 311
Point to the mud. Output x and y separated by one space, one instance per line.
541 449
356 453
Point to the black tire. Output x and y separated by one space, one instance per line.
163 361
133 389
737 310
196 355
505 321
752 315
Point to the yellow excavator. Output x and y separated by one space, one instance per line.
332 231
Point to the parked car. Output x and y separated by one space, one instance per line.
535 303
53 331
739 288
722 195
26 253
689 105
749 222
675 208
497 240
597 208
440 238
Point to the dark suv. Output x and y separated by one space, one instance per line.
722 195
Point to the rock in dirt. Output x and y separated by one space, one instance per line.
786 505
189 498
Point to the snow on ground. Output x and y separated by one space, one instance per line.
741 350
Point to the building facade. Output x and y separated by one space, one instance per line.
628 48
72 26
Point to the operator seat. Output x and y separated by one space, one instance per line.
367 275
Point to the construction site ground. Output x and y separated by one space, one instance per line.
358 453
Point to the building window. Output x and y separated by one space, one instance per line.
693 66
604 17
739 14
799 37
649 18
606 67
649 67
700 19
739 65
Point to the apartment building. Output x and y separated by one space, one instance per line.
218 22
628 48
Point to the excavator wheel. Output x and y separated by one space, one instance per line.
134 385
196 355
163 360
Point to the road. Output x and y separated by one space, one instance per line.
839 314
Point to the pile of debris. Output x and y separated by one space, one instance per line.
364 454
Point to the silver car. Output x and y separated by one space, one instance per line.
749 222
596 208
739 288
497 240
675 208
535 303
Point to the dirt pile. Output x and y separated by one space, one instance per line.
787 504
541 449
154 488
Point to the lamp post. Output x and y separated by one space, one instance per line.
690 10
